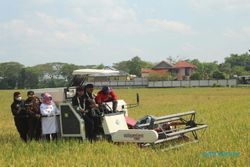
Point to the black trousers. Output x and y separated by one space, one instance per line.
21 123
89 127
34 128
98 126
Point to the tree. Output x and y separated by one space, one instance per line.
67 70
204 70
238 70
196 76
133 66
10 72
226 68
49 70
123 66
218 75
21 78
242 60
100 66
31 78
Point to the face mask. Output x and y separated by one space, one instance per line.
19 98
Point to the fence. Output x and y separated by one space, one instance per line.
141 82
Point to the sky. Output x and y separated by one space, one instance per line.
86 32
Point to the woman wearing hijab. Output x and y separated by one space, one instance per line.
49 122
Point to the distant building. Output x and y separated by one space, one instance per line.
182 69
244 79
162 68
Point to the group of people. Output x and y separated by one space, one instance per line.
90 107
35 116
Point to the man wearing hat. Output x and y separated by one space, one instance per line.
107 95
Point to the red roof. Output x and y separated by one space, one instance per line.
184 64
146 70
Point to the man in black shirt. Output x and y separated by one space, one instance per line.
90 98
78 100
79 103
32 105
92 107
20 115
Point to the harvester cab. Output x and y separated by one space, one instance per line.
80 78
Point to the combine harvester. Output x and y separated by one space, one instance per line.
118 127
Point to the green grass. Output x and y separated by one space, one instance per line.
225 110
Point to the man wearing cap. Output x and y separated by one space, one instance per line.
107 95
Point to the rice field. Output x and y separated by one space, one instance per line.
225 110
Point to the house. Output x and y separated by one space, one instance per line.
182 70
162 68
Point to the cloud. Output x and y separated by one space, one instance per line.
73 29
246 30
188 47
221 4
42 29
169 25
103 11
240 33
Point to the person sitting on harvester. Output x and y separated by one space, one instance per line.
107 95
79 103
92 108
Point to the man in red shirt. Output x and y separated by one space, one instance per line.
107 95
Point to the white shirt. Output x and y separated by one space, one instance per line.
49 123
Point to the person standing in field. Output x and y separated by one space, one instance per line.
32 105
107 94
20 115
49 121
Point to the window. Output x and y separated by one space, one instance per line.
187 71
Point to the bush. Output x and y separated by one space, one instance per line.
196 76
218 75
